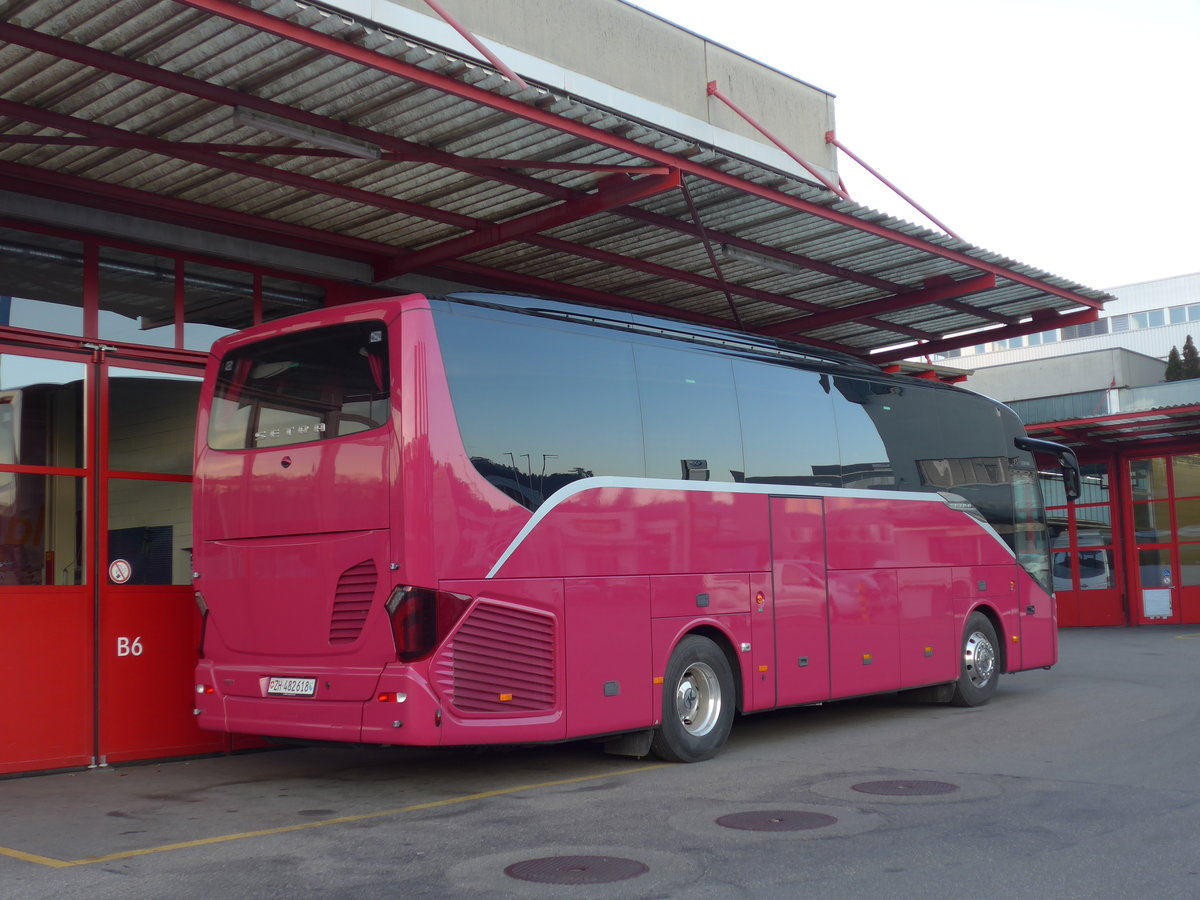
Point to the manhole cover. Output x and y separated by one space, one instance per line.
776 820
576 869
906 788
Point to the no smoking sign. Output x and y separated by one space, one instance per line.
120 571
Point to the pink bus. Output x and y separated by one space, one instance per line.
488 519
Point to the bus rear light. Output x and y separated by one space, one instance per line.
421 618
205 689
392 697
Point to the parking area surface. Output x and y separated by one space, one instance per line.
1080 782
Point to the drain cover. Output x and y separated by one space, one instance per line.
906 788
776 820
576 869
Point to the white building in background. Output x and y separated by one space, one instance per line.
1147 318
1113 365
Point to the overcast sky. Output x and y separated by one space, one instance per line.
1062 133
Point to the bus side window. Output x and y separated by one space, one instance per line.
539 405
788 433
861 409
689 412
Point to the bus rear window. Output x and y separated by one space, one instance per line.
310 386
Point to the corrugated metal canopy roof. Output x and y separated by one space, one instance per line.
453 171
1142 430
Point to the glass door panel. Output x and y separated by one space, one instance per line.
47 636
148 623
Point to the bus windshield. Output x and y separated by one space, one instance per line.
308 386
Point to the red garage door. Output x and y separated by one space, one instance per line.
100 628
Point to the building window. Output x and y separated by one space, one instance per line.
1151 318
41 282
138 295
1100 326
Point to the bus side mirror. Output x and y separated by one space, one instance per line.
1071 481
1068 463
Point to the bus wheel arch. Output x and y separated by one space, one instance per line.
981 660
700 695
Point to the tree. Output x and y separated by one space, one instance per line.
1174 366
1190 363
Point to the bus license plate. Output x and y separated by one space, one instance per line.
292 687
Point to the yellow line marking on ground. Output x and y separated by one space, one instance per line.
34 858
340 820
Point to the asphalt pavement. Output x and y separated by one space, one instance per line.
1078 782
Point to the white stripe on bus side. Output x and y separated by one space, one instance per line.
600 482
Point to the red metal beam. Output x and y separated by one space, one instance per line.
1137 429
932 294
101 195
661 271
611 192
1144 415
476 43
993 334
990 315
321 152
241 166
831 138
462 270
266 23
714 91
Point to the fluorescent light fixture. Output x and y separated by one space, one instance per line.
761 259
296 131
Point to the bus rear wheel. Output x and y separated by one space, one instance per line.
698 701
979 669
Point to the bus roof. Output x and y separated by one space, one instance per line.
671 329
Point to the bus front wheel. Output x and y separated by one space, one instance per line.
698 701
979 668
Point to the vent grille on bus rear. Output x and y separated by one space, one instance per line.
352 602
500 660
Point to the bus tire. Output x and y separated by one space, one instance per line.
979 669
698 702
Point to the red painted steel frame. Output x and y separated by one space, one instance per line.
350 247
714 91
612 192
831 138
476 43
299 34
929 294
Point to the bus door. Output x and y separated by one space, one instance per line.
801 611
1039 624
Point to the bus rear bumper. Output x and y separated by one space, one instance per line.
402 711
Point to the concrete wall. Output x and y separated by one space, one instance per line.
613 54
1062 375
